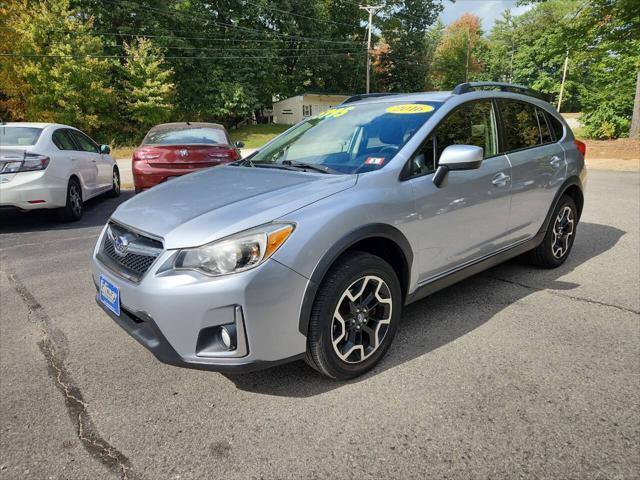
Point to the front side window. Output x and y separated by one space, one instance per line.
470 124
84 142
186 136
18 136
473 123
520 125
62 140
348 139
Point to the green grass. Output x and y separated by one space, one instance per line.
122 151
255 136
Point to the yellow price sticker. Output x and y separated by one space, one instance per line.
409 108
335 112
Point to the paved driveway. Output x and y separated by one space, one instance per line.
516 372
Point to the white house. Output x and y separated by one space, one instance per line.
295 109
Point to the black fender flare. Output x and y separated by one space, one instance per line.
572 181
338 248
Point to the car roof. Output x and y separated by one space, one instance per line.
407 97
35 125
168 126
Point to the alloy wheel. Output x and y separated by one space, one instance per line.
563 229
75 199
361 319
116 182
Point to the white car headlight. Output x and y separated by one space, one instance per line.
237 253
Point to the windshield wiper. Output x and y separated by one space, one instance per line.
309 166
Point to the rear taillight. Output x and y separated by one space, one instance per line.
145 155
30 162
581 146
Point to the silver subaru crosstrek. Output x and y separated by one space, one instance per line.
310 247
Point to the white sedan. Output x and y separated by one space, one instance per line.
52 166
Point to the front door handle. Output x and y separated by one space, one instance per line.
555 162
501 179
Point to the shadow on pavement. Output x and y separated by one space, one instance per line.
441 318
96 213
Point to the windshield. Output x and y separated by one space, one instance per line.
349 139
19 135
186 136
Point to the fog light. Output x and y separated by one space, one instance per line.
228 336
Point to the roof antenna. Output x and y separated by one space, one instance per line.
188 122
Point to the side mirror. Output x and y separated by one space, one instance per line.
105 149
239 144
457 157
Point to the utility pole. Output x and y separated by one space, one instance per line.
466 71
371 10
564 77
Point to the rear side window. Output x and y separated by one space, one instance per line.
62 140
556 127
545 131
520 125
15 136
85 143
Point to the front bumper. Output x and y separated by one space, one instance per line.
168 310
19 190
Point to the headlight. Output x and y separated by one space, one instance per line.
237 253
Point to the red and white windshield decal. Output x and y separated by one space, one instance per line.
374 161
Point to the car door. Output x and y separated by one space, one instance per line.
537 161
80 163
89 155
466 218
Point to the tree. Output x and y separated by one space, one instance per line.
405 65
148 89
54 74
455 60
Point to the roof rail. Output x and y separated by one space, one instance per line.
362 96
503 87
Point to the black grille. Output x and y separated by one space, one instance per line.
132 265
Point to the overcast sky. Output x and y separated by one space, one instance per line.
486 10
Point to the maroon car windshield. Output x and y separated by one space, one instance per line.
186 136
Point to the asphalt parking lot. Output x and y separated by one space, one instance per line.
514 373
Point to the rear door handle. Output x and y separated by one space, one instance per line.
555 162
501 179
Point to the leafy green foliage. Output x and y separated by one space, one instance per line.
47 82
148 89
403 65
455 58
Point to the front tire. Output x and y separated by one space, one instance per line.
561 233
354 317
115 186
74 207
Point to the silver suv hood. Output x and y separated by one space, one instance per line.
201 207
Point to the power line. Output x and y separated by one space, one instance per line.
301 16
180 57
231 25
174 37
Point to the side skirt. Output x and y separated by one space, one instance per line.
461 273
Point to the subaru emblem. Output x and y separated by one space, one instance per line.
121 245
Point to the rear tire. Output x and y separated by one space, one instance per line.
354 316
115 186
561 233
73 209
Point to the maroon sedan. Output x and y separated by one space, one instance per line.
173 149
